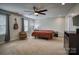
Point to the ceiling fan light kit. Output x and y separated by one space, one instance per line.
63 3
36 14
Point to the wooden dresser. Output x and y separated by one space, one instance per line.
71 42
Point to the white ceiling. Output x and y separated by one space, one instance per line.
54 9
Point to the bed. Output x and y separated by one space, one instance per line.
47 34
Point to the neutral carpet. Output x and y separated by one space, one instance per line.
33 46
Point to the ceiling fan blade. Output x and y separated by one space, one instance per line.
42 10
34 8
28 11
42 13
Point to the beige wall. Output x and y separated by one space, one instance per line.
56 24
14 33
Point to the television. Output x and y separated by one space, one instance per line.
76 20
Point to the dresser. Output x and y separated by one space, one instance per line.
71 42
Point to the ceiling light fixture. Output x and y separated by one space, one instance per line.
63 3
36 14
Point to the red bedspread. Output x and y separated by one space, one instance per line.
44 34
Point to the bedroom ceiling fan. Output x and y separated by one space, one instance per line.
37 11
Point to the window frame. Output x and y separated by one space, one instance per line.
23 26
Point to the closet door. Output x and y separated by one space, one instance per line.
2 27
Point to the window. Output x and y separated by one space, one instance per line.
25 25
2 27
